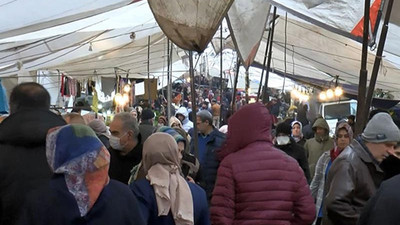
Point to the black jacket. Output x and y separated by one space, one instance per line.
390 166
121 165
382 208
297 152
23 163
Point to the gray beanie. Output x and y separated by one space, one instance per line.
381 128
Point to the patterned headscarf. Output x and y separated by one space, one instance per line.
75 151
171 131
162 168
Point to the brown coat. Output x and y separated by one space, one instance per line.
353 178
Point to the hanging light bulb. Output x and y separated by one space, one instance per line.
118 98
322 96
125 98
338 91
127 88
329 93
90 47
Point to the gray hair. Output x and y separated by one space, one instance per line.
204 116
128 122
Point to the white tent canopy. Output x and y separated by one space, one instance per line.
15 21
119 38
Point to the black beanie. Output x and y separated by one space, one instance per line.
283 128
147 114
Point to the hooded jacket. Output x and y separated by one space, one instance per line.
23 164
316 146
257 183
186 123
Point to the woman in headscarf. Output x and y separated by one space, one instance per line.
165 196
343 137
297 133
80 192
189 163
175 122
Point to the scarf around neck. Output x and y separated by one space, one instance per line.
162 168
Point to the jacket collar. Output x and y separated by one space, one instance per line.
364 153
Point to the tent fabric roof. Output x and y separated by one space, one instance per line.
311 51
15 21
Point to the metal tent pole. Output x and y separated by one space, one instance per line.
194 107
362 87
265 97
148 69
221 98
264 62
378 57
235 85
169 85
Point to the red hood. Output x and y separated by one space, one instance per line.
250 124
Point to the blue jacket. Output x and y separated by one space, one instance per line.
208 170
148 203
53 204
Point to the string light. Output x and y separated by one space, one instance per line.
118 99
322 96
338 91
331 93
127 88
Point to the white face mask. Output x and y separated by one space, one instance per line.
282 140
115 142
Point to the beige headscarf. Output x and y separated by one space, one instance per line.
162 168
174 120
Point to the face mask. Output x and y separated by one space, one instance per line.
115 142
282 140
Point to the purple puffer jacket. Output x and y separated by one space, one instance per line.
257 183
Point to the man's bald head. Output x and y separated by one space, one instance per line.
29 95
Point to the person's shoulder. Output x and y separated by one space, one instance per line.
141 187
197 192
391 184
218 134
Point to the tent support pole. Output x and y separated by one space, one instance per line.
194 105
378 57
247 86
264 62
169 85
221 98
265 97
148 69
235 85
362 111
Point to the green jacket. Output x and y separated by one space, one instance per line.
316 146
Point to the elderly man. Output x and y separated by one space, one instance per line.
23 164
126 146
210 140
355 175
